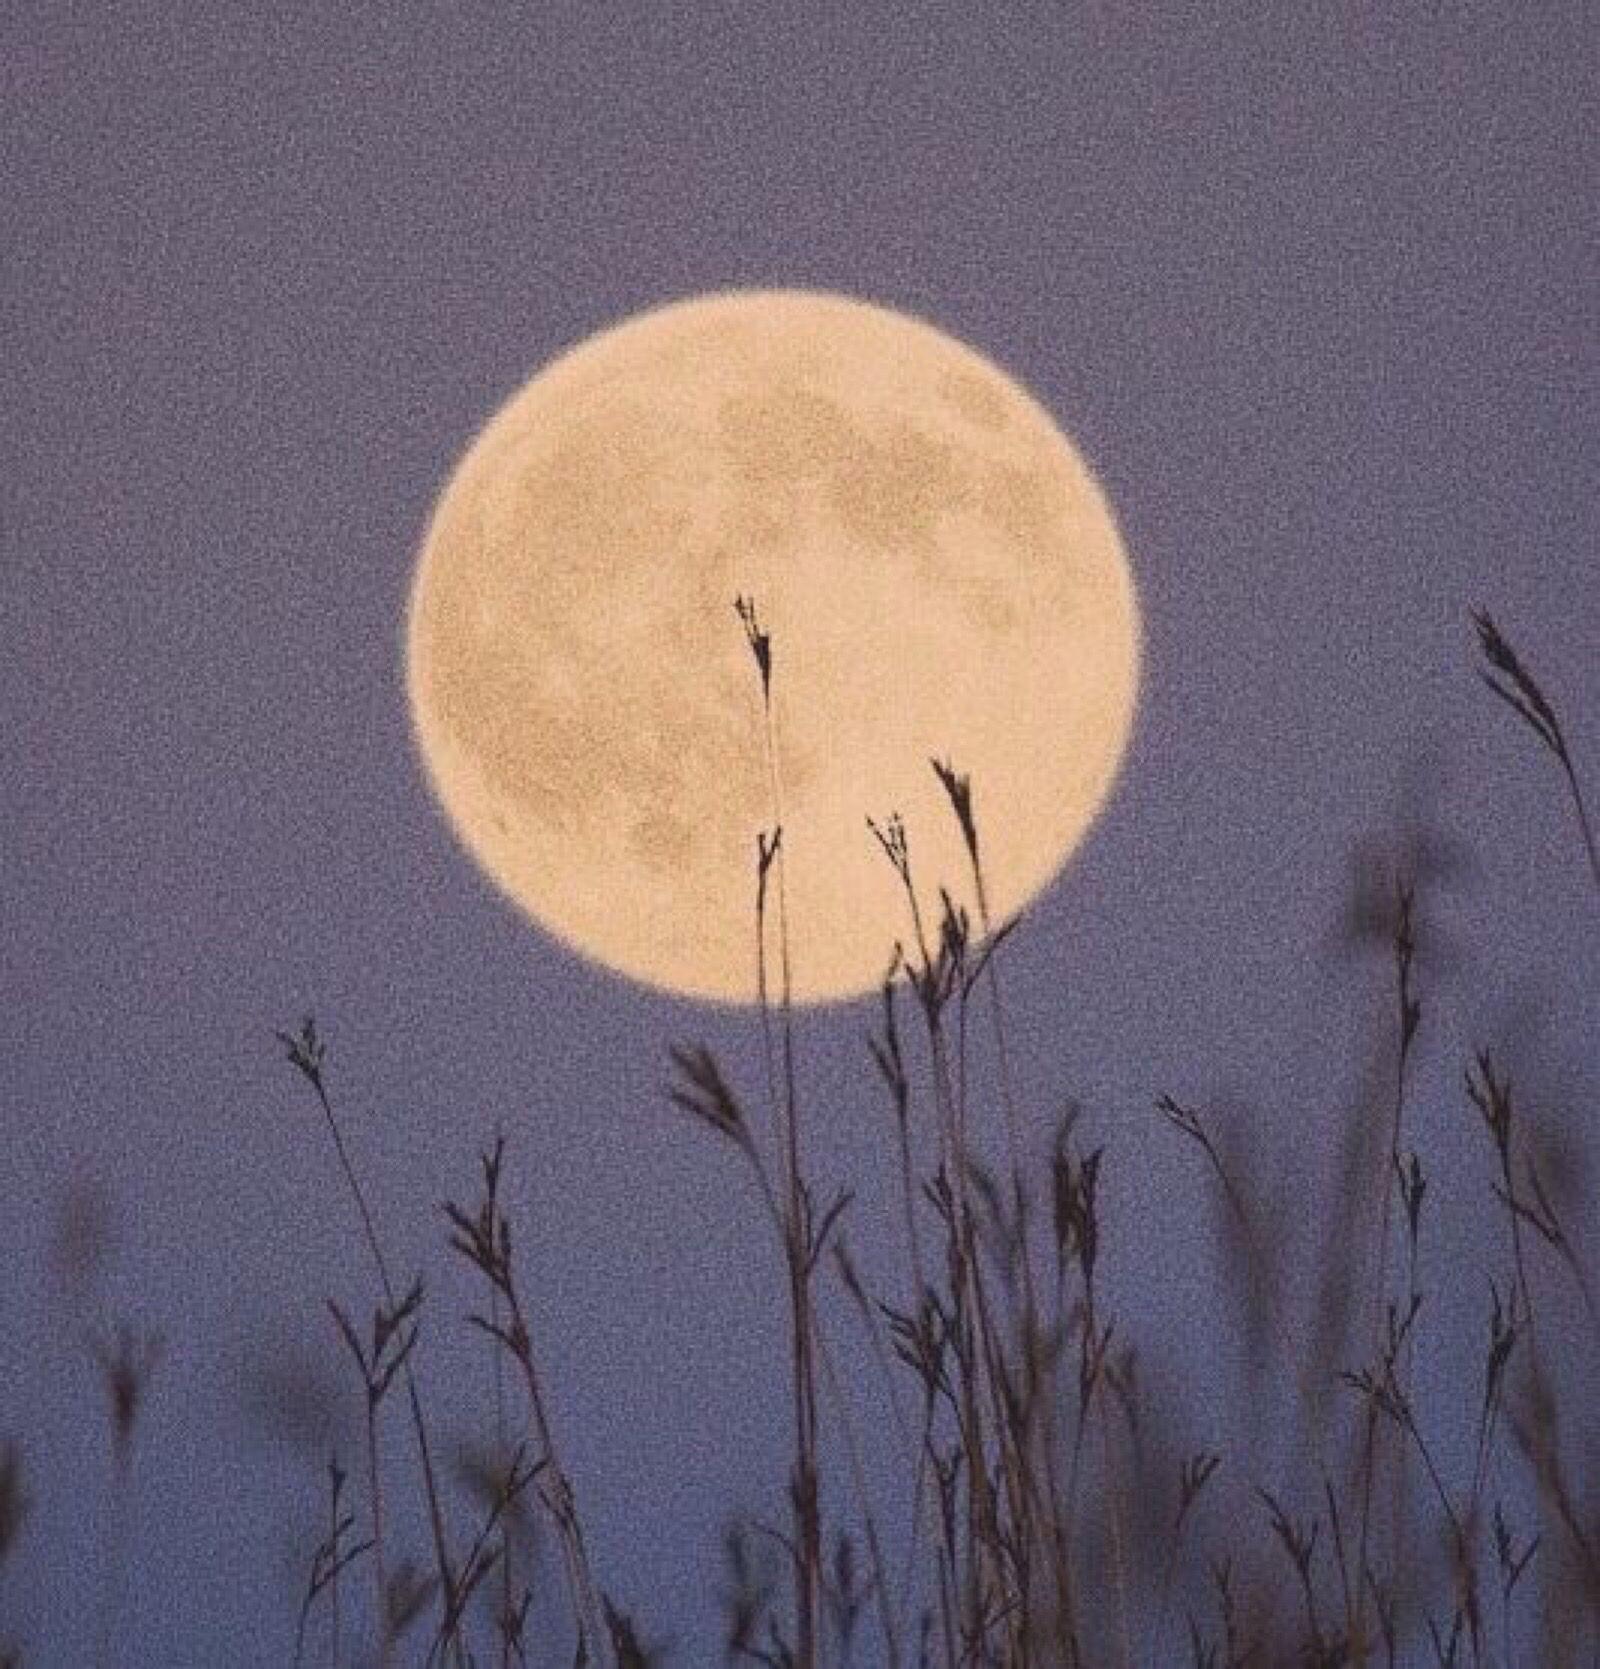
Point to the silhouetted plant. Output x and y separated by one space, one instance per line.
1505 674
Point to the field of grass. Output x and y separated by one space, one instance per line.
1046 1512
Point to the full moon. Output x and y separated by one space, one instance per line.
940 576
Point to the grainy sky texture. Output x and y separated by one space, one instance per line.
1312 288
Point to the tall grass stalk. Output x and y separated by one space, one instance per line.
1409 1017
307 1052
1505 674
797 1211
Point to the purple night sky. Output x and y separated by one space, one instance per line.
1315 295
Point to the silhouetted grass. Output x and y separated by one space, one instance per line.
1055 1513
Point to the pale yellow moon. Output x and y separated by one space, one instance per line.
938 570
